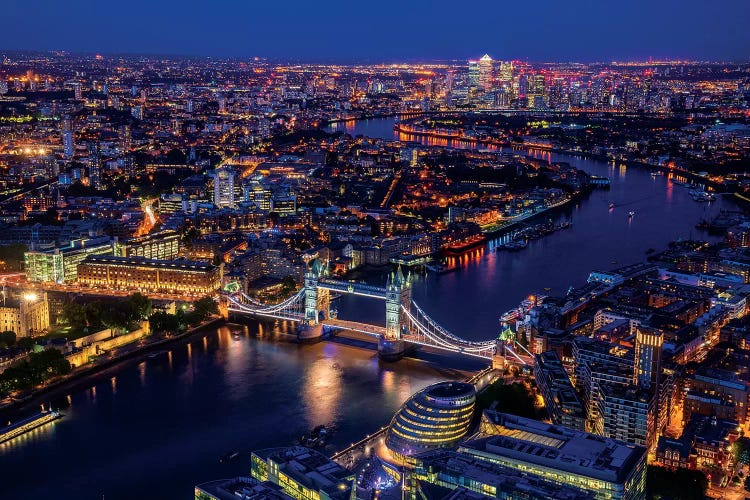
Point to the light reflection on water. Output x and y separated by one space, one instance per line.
158 427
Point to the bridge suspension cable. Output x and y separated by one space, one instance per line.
439 336
259 308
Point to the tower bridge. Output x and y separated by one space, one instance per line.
405 321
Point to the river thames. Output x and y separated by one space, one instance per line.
155 428
470 300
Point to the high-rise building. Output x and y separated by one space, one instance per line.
560 399
505 74
628 414
94 160
473 73
126 138
223 187
449 78
486 72
67 138
648 347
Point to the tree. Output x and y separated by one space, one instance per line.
93 313
161 322
288 284
117 318
11 256
39 367
189 237
741 450
7 339
205 307
142 306
74 315
682 483
26 343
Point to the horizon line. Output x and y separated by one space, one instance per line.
363 60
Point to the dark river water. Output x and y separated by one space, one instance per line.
154 429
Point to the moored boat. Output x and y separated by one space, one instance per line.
13 430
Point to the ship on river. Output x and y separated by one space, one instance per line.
15 429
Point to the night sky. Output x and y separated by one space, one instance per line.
385 30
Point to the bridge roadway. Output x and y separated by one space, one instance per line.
340 324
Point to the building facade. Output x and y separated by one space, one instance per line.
150 275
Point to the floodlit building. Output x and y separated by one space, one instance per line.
605 468
164 245
302 473
560 399
435 417
461 472
239 488
26 315
60 265
150 275
223 188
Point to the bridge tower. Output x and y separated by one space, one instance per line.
317 300
397 298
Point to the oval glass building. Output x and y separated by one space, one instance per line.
435 417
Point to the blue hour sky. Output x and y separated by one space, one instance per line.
385 30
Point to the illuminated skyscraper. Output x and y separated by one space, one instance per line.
505 75
126 138
648 345
473 73
449 77
223 188
67 138
486 72
94 160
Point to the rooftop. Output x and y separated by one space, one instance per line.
135 261
503 478
310 468
557 447
245 488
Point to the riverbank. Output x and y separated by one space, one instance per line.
554 208
638 164
84 374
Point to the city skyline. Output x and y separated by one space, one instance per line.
482 278
578 30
